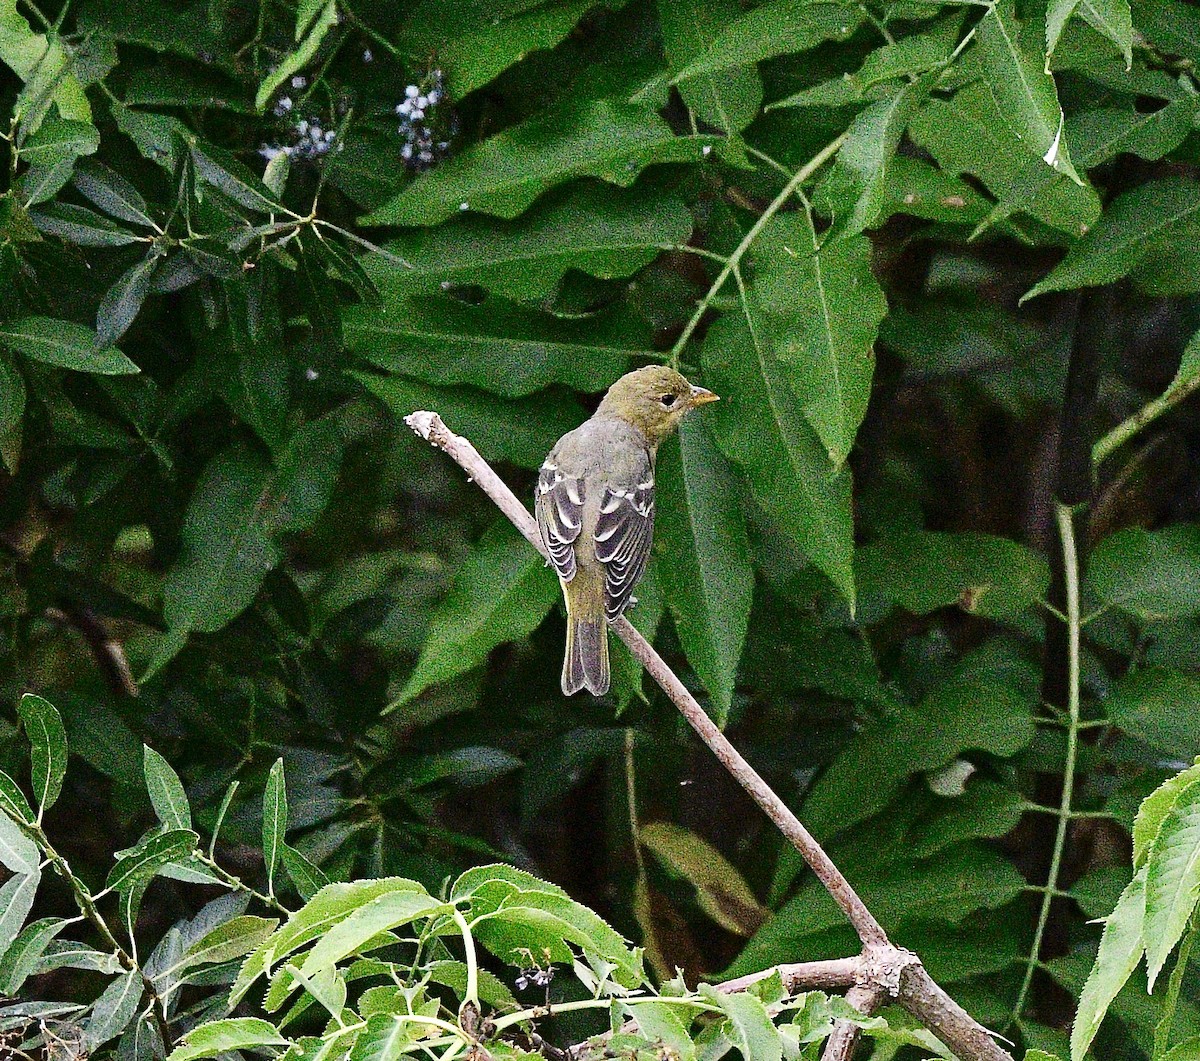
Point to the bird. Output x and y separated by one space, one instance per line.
594 503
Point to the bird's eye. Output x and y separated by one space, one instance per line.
668 400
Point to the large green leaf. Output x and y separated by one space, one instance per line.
275 821
778 27
708 578
1172 879
1160 706
728 100
599 230
48 747
167 794
1152 574
821 307
749 1026
1138 227
502 593
873 764
41 61
759 426
16 900
221 1036
18 853
1110 17
1024 90
230 533
306 47
1153 812
506 173
64 343
500 346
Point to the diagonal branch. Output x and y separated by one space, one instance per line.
882 965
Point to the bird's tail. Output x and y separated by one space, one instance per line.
586 662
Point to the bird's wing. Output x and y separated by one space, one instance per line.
559 508
624 531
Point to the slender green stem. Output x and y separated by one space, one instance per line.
510 1019
1145 416
239 885
1038 808
1066 529
731 265
1162 1030
471 996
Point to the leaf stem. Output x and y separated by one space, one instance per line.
471 995
1066 528
1145 416
731 264
238 884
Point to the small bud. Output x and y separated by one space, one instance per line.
299 81
412 92
367 56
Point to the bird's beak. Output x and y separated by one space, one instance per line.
702 396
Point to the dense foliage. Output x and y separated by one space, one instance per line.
928 253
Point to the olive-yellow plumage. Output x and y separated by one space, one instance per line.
595 509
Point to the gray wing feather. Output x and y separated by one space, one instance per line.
559 508
624 533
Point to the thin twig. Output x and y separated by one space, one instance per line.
1145 416
881 964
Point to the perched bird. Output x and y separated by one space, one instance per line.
595 509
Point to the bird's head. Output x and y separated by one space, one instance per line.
654 399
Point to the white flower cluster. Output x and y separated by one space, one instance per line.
421 147
311 140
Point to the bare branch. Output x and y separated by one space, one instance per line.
882 969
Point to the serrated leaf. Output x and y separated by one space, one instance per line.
66 344
660 1022
759 426
1151 574
598 230
1172 879
502 592
1121 947
1153 811
16 900
221 1036
821 307
504 174
721 891
706 569
500 346
778 27
1023 88
233 939
140 864
320 24
275 818
1136 226
48 748
167 794
750 1027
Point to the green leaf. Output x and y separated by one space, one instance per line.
759 426
81 226
64 343
1023 89
167 794
1170 26
330 905
113 1011
728 100
307 877
387 1037
1111 17
778 27
17 852
41 61
300 57
873 764
48 748
12 412
1137 226
16 900
220 1036
275 818
821 307
1151 574
601 231
145 860
21 959
750 1027
922 571
123 301
985 810
233 939
1153 810
500 346
706 570
502 593
13 801
503 175
1172 879
57 139
721 891
231 532
1159 706
112 193
660 1022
